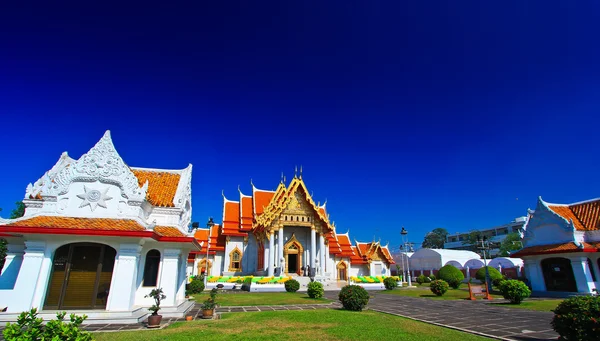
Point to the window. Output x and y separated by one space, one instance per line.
235 260
591 266
151 268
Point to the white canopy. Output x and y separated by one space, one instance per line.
506 262
427 259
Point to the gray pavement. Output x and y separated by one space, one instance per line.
477 317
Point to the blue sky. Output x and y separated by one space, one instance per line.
426 115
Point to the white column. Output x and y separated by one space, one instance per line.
271 254
12 264
280 240
313 247
533 272
121 296
22 298
468 273
183 274
583 276
169 275
265 258
321 255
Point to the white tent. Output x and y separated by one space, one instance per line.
433 259
474 264
506 262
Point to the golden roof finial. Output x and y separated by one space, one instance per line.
300 171
295 172
282 178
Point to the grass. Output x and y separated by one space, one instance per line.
538 305
262 298
326 324
425 292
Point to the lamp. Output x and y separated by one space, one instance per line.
209 225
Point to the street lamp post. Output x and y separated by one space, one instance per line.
209 225
402 261
404 233
485 245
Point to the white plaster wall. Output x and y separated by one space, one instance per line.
250 260
233 243
359 270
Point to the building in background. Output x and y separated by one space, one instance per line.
459 241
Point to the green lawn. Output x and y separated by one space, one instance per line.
425 292
262 298
539 305
326 324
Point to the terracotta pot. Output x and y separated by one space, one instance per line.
207 314
189 318
154 321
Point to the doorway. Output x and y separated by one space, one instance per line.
558 275
81 276
293 262
342 271
292 252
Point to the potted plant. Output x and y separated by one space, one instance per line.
189 317
208 306
154 319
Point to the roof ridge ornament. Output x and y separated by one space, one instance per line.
300 171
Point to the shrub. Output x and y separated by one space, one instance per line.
432 277
421 279
451 275
315 290
390 283
354 297
427 279
247 283
514 291
30 327
196 286
439 287
578 318
495 275
292 285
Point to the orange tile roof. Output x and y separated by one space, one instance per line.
345 245
162 186
217 239
356 258
334 246
388 255
261 200
246 215
168 231
81 223
585 215
231 219
555 248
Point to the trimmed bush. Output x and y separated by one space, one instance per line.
421 279
495 275
578 318
432 277
514 291
353 297
390 283
452 275
292 285
439 287
30 327
196 286
315 290
427 279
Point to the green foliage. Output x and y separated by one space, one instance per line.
421 279
292 285
432 277
435 239
19 211
29 327
157 295
514 291
354 297
452 275
315 290
390 283
196 286
578 318
510 243
210 302
427 279
439 287
495 275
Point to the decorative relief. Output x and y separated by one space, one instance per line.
93 198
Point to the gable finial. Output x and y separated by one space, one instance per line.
251 184
300 171
223 193
295 172
282 181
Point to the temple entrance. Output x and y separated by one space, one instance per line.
342 271
81 276
292 252
202 267
558 275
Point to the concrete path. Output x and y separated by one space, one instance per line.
477 317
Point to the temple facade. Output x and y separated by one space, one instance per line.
98 235
284 232
561 247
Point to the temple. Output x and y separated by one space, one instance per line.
284 232
99 235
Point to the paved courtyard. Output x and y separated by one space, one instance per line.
472 316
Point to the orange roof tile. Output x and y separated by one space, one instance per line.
555 248
246 215
162 186
217 239
388 255
585 215
81 223
261 200
345 245
168 231
356 258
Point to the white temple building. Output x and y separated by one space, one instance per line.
561 247
97 236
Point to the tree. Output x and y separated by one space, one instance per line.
19 211
512 242
435 239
